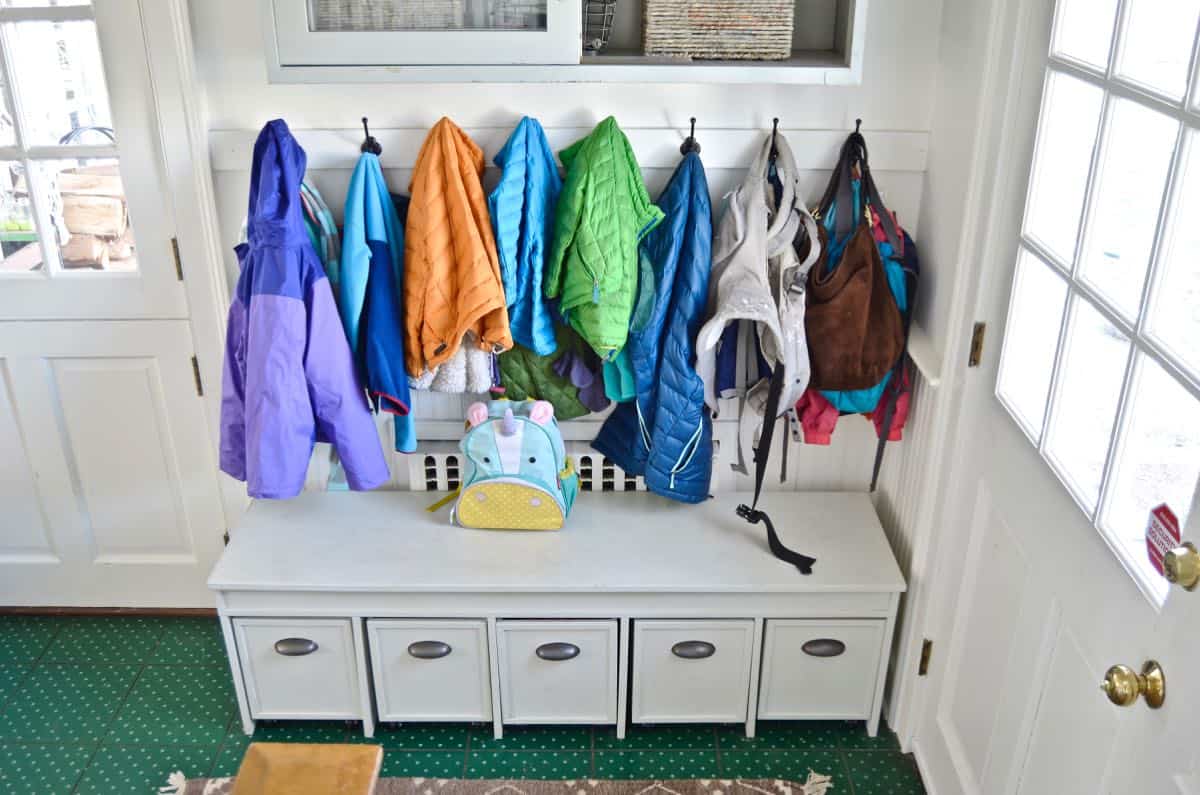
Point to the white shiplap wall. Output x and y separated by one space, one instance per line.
893 100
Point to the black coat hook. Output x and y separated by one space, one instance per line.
690 144
370 144
774 133
857 126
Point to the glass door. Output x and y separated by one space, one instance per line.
85 222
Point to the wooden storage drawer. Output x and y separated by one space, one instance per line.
430 670
558 671
814 668
691 671
299 667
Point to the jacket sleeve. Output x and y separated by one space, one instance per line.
566 221
339 405
817 416
233 394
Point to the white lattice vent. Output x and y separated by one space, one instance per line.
439 467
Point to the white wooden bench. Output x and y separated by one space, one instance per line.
366 607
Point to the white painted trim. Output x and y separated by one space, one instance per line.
756 656
361 661
235 666
183 131
1000 80
493 645
624 627
48 14
657 147
819 67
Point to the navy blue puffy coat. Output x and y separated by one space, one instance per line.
665 434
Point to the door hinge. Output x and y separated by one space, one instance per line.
976 354
226 538
926 653
178 261
196 375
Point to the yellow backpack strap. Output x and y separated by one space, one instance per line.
568 469
444 501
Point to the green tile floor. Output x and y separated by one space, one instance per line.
113 705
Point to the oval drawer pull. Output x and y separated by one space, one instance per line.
693 649
823 647
557 652
429 649
295 647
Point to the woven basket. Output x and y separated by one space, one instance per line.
719 29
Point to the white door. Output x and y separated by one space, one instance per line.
108 489
1087 418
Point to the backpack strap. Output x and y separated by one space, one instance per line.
750 512
840 188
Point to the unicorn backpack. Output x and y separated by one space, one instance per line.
517 474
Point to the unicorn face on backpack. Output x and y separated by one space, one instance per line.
517 475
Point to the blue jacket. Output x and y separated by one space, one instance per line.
372 270
289 377
665 434
522 210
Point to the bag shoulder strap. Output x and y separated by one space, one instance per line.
750 513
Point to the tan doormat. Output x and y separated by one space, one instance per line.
815 785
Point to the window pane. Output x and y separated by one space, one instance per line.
1031 339
61 81
1159 460
1158 43
86 203
378 15
1070 116
1083 30
8 136
1128 196
18 236
1092 368
1175 314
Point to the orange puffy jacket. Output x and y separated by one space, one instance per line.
451 273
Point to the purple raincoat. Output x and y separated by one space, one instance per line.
289 376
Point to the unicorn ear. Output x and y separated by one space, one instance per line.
541 412
476 413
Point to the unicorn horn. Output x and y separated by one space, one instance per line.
508 425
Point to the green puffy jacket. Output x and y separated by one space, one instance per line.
603 212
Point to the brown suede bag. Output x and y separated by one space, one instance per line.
854 328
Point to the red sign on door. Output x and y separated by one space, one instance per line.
1162 535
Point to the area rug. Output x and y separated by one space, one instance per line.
815 785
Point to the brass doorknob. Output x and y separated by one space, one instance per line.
1123 685
1182 566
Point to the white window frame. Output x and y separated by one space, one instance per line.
292 43
1142 344
53 292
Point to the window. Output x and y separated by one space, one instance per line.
62 201
1101 362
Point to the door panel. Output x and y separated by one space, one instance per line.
1074 728
111 431
27 538
993 584
115 426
